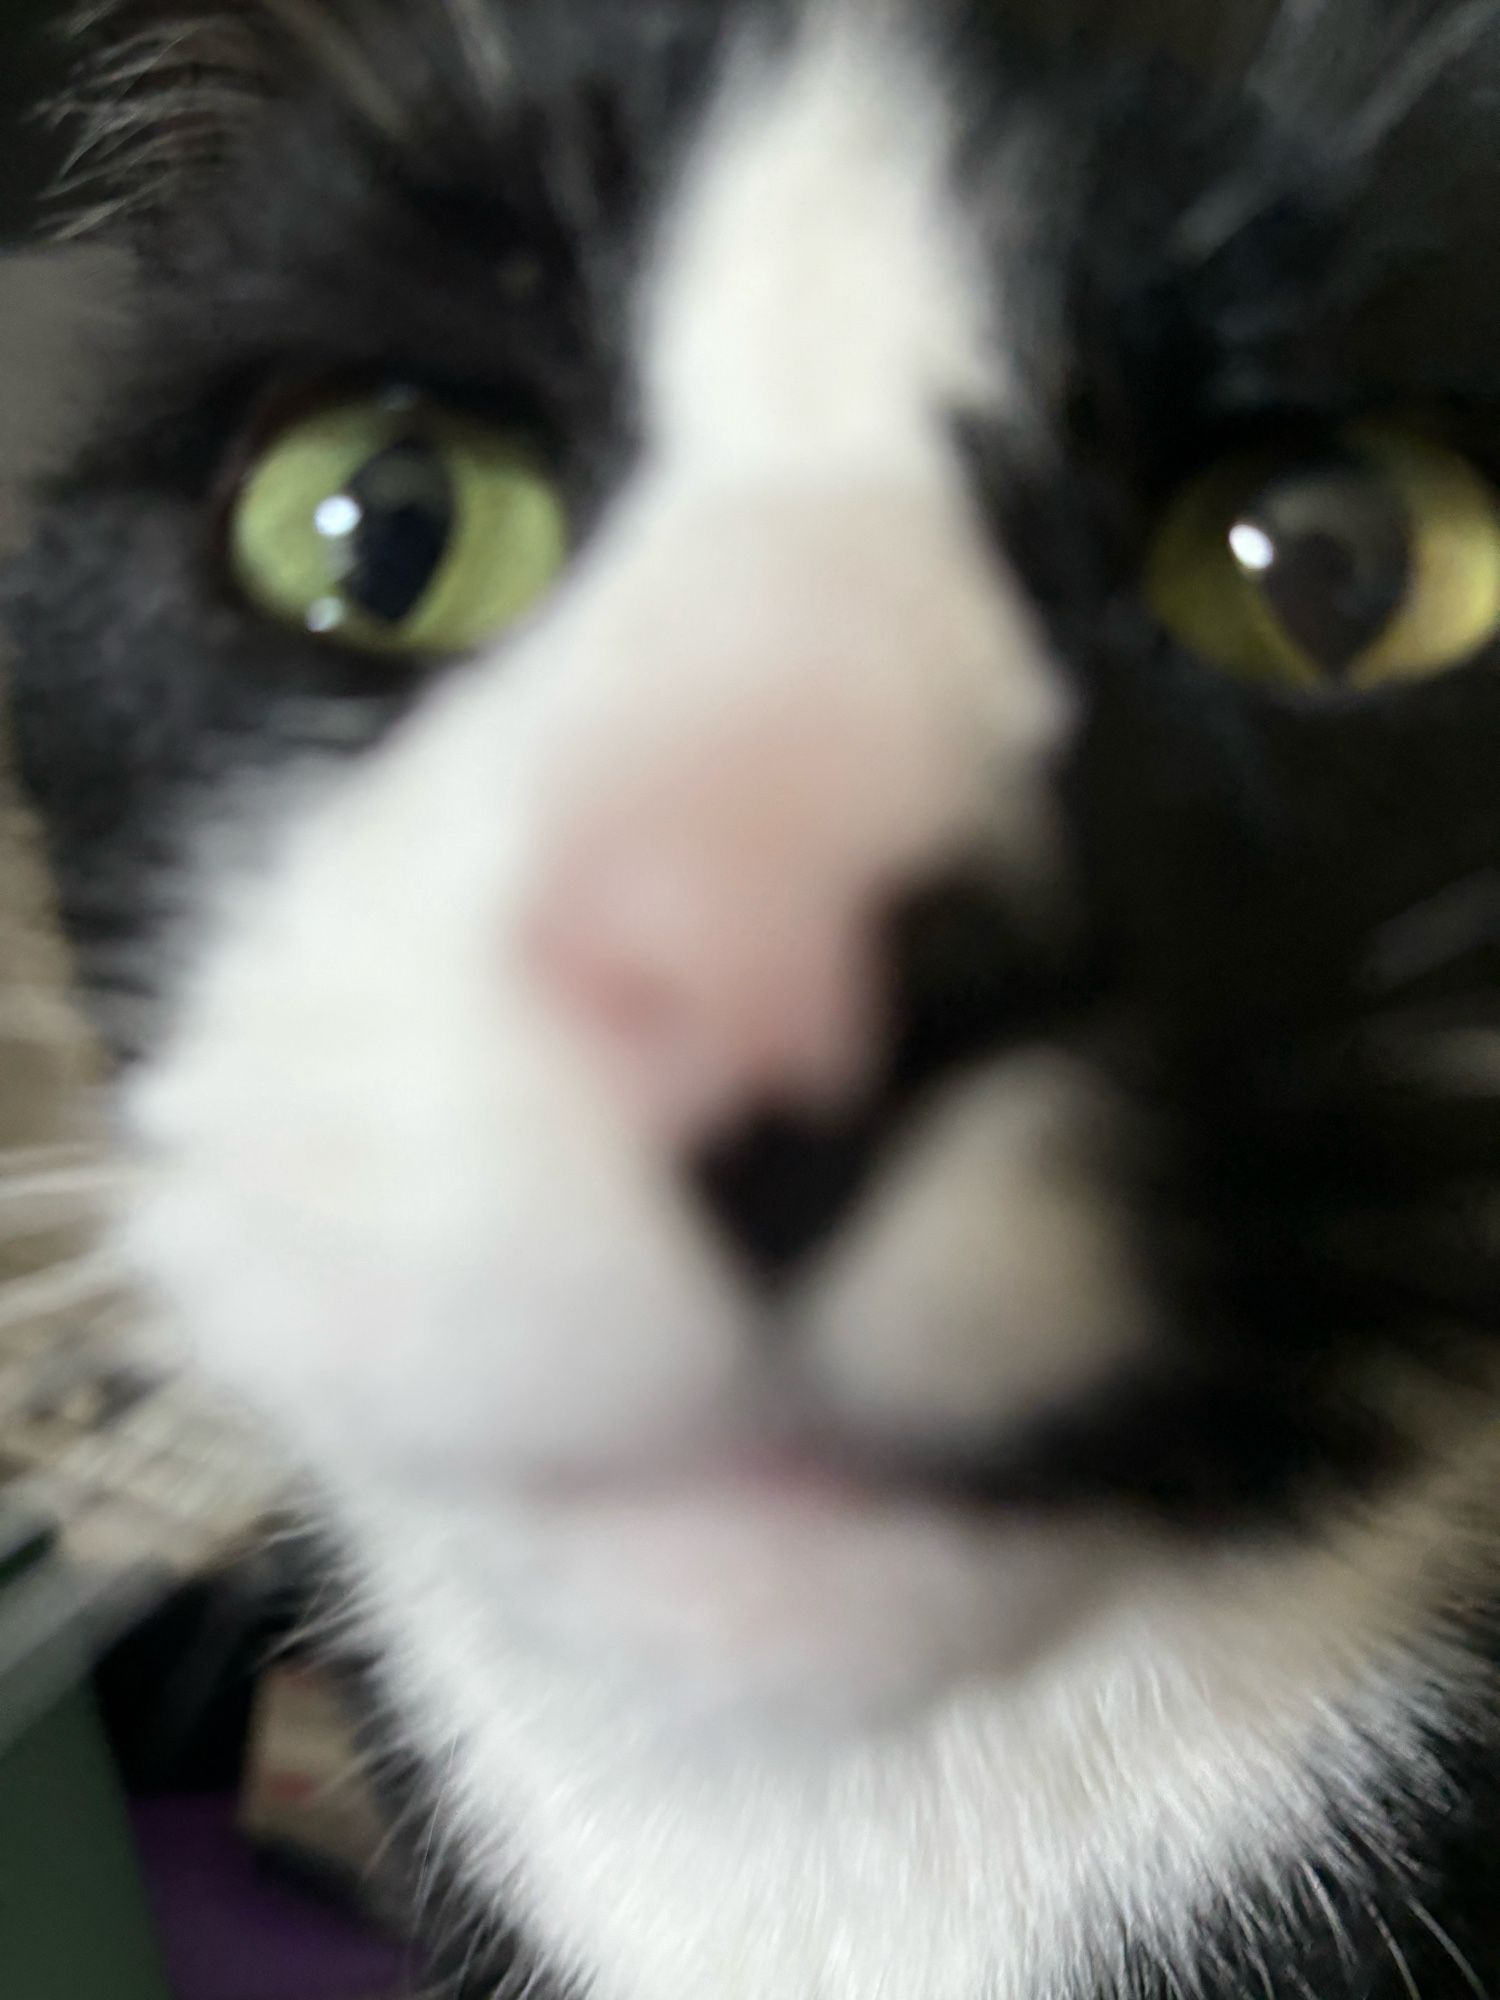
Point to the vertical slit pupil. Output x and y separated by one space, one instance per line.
1331 543
404 507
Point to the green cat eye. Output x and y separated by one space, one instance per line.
396 526
1375 558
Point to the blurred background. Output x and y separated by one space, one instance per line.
185 1810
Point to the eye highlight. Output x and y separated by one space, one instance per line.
1375 558
397 526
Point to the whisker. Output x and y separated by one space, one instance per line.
1442 931
329 42
33 1205
63 1180
478 31
120 127
136 60
157 103
1434 56
1303 50
58 1153
81 1281
1338 1931
166 149
1462 1059
1398 1956
1466 1971
1251 1946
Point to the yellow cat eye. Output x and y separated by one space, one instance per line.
1376 558
396 526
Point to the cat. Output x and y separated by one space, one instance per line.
771 729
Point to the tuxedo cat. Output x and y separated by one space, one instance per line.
772 729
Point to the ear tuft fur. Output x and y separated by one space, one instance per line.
165 88
156 99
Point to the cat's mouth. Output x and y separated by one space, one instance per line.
825 1576
827 1474
813 1467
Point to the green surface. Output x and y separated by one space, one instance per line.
73 1923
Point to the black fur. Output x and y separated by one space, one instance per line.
1276 900
1414 1913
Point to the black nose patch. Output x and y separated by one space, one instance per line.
970 979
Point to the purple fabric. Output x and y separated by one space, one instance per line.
230 1932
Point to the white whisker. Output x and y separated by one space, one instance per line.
121 126
1397 1955
136 60
1434 55
1304 51
62 1289
1440 931
62 1181
1466 1971
38 1203
478 30
152 106
1462 1061
331 44
58 1153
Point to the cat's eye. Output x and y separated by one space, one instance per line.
397 526
1375 558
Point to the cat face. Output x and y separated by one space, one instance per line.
789 716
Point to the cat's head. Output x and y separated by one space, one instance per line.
790 714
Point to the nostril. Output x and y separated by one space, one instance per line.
970 980
779 1188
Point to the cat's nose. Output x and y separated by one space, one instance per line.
779 1028
710 921
713 986
968 975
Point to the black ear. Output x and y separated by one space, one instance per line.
164 91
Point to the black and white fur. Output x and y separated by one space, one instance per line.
1058 1563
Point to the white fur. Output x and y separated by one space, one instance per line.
996 1231
1183 1744
731 1728
815 315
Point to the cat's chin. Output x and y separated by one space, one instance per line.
793 1593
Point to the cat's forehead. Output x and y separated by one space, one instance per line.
815 295
864 161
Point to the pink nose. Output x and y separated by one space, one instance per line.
710 920
711 991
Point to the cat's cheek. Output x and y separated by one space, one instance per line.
994 1274
399 1298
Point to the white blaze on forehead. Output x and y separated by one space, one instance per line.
817 297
